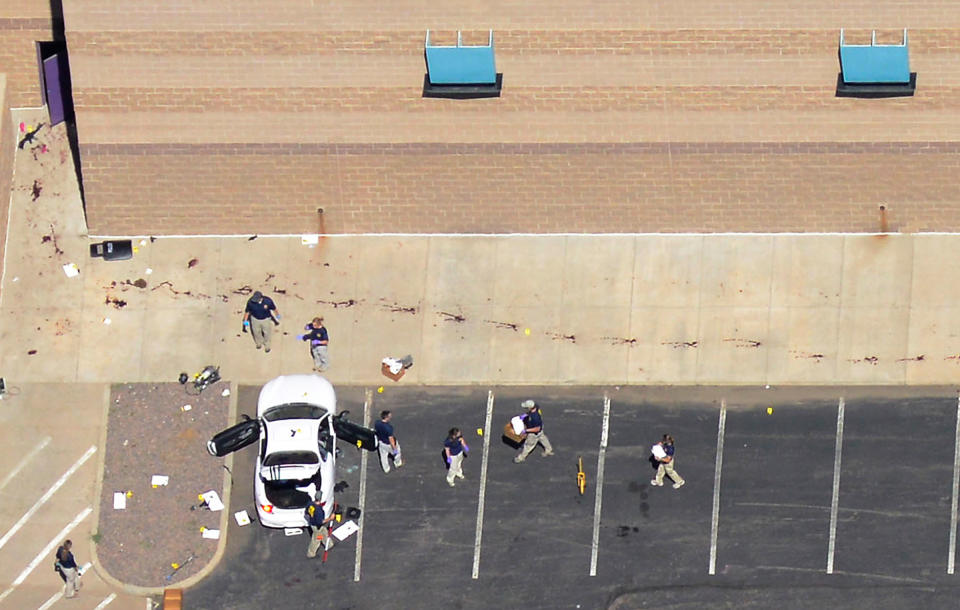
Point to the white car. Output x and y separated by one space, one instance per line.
296 426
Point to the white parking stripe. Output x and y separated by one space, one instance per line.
50 602
483 487
23 462
363 489
44 555
835 500
106 601
43 499
598 498
715 519
952 553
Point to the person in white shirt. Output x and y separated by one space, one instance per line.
663 452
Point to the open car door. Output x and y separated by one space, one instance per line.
235 437
355 434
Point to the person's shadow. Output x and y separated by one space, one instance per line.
654 462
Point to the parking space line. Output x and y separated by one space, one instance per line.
106 601
50 602
715 518
43 499
598 500
368 398
483 487
952 553
835 500
44 555
24 461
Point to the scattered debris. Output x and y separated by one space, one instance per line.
451 317
71 270
210 534
562 337
32 352
52 237
244 290
743 342
119 500
178 566
152 239
338 304
798 354
117 303
35 191
680 344
61 327
252 237
620 341
504 325
269 277
192 263
29 136
159 480
139 283
914 359
394 308
242 518
869 359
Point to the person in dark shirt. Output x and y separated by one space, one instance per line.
319 524
257 316
533 432
663 452
387 446
316 334
455 449
67 566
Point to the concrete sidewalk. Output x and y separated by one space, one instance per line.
517 309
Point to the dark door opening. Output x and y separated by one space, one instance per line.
55 80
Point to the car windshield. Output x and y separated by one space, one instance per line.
295 410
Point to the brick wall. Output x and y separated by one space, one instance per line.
18 56
7 149
615 119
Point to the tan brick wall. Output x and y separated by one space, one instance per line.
18 57
7 148
223 117
537 188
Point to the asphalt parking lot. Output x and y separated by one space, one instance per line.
783 518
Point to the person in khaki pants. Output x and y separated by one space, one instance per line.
319 526
663 452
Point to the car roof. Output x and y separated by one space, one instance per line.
286 389
293 435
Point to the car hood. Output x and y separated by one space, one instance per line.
311 389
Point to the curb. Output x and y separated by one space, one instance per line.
224 518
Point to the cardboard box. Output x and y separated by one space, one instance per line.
509 433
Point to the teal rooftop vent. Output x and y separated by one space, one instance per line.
461 72
875 70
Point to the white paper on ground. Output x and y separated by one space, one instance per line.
213 500
159 480
292 531
517 423
211 534
71 270
119 500
242 518
346 530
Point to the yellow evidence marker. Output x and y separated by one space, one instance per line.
526 331
479 431
380 390
581 475
769 410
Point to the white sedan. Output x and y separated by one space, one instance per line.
296 426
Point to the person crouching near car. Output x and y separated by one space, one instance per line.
319 526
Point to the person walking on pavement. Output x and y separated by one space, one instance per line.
533 431
455 449
316 334
663 452
260 311
319 525
387 446
67 566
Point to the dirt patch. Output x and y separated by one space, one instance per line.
148 433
